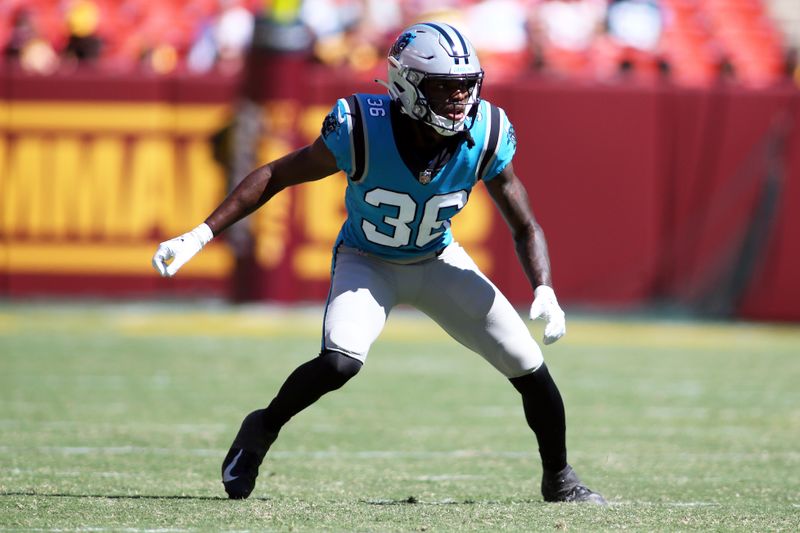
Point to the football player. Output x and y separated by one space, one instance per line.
411 157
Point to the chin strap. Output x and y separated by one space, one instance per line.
384 83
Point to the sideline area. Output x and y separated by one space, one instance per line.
215 318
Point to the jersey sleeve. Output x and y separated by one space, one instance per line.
337 133
506 144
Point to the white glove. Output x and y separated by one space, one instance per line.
546 306
174 253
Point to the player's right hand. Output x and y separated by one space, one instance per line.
174 253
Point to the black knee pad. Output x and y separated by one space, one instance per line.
340 365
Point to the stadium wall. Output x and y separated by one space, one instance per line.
647 194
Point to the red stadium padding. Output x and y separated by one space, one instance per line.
647 194
774 291
720 152
5 89
581 152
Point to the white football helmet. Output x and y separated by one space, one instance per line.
423 54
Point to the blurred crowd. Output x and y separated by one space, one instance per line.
689 42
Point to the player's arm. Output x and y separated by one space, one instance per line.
310 163
511 198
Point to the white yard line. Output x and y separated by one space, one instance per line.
74 473
664 504
99 529
72 424
449 477
318 454
116 450
370 454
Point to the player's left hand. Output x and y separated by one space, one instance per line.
546 306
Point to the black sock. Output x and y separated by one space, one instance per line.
307 384
544 411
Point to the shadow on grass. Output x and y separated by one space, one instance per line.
412 500
118 496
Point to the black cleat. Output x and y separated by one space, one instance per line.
240 467
565 486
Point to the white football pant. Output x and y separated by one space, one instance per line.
449 288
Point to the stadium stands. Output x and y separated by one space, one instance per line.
689 42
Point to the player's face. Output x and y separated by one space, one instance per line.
448 98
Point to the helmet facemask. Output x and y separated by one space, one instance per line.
449 100
438 87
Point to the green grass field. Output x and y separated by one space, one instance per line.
117 418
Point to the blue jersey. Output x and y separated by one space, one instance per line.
391 213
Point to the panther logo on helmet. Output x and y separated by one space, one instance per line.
401 43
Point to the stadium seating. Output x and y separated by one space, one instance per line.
701 42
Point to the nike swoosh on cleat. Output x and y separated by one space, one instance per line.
226 475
